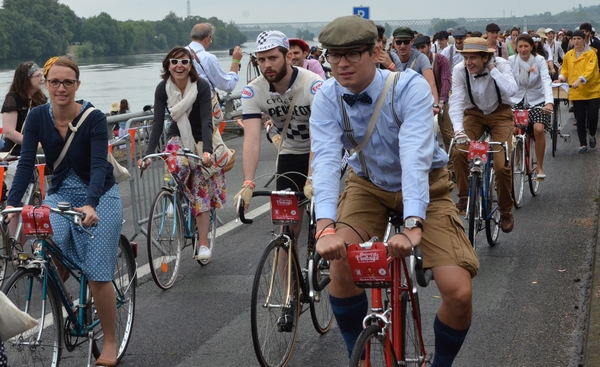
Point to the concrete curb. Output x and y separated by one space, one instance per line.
591 349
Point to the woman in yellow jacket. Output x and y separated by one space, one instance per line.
580 69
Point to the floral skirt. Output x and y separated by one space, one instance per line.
202 193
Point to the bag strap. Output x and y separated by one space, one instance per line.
291 109
74 130
197 59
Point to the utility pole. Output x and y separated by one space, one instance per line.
189 9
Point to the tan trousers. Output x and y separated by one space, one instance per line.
501 123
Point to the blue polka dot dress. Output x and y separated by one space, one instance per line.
3 360
97 256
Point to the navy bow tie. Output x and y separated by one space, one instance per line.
351 99
480 75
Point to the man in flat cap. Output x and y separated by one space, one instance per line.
451 52
285 94
410 59
492 31
441 42
398 166
481 89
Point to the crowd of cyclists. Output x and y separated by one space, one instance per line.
378 100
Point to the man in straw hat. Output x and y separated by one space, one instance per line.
400 167
481 91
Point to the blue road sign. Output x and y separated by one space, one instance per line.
361 11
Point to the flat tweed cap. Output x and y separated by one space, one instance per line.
348 32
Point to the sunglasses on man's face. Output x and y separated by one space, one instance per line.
400 42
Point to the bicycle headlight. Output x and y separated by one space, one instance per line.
477 161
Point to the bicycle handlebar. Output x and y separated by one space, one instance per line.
239 206
423 276
186 153
503 145
64 208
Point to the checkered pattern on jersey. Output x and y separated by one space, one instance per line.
299 132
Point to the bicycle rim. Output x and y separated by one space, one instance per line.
320 307
534 184
473 209
124 283
212 234
518 173
5 254
41 345
373 348
413 353
165 239
492 219
272 345
555 129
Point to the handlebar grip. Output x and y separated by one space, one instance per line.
423 277
267 132
241 215
318 285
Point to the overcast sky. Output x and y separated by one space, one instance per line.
263 11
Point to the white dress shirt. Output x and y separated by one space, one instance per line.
456 56
483 89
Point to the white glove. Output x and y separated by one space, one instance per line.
461 138
308 191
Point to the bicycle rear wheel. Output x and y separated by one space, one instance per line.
474 207
373 346
492 213
320 308
554 130
274 323
125 282
41 345
165 239
212 235
534 184
517 163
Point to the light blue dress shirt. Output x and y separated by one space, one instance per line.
396 158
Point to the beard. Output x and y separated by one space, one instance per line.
279 74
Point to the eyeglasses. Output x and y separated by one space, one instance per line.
183 62
67 83
400 42
352 56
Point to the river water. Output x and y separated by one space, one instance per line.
134 77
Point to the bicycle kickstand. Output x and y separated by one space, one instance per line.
90 343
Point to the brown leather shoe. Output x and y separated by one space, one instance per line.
507 221
462 206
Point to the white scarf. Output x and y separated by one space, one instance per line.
525 67
180 107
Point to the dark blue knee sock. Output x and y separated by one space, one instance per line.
349 314
447 343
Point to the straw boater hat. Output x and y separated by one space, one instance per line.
541 32
476 44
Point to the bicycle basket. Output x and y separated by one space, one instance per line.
521 118
36 221
284 209
479 149
369 266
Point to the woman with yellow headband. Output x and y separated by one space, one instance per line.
84 178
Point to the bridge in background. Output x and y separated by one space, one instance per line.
430 26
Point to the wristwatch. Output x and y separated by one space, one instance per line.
411 223
435 105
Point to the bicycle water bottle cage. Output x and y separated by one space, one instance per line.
521 118
369 266
284 209
36 221
479 150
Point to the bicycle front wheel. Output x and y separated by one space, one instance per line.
165 239
320 308
125 282
534 183
5 255
474 209
413 352
492 213
517 163
373 348
41 345
274 317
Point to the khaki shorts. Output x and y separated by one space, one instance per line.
444 242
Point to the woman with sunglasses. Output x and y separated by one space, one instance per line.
531 74
25 92
187 98
84 178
